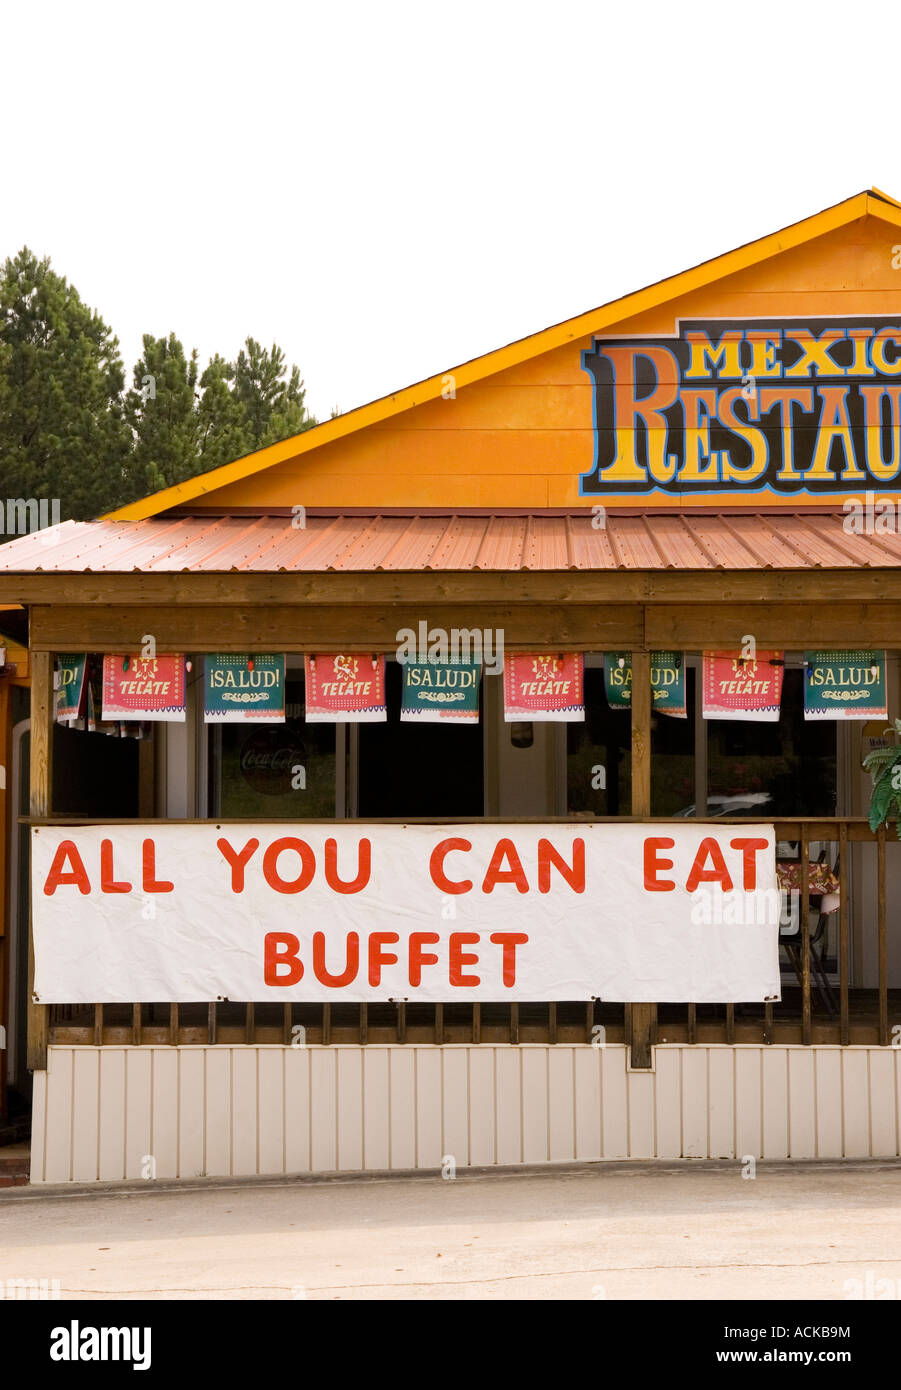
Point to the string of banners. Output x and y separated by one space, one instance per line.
123 693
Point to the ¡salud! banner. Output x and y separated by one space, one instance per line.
737 687
440 692
71 688
541 687
345 689
667 681
845 685
244 688
140 687
670 913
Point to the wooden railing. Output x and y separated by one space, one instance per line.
821 1002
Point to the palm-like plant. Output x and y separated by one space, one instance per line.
884 766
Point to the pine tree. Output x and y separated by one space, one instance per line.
274 406
161 409
222 427
62 433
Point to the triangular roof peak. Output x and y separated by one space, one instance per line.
871 202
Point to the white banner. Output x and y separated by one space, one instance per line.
354 911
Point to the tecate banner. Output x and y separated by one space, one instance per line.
329 912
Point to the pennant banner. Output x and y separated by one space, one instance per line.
245 688
737 687
71 688
138 687
539 686
441 692
845 685
667 681
345 689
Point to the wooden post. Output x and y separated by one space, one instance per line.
40 804
643 1016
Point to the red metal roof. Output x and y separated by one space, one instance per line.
454 541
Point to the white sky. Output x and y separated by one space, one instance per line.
387 189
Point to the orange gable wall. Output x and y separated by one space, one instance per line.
522 437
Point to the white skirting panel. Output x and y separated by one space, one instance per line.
113 1113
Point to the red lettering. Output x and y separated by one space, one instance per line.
108 883
151 883
574 874
460 958
749 849
352 961
494 874
280 949
238 861
378 957
57 875
653 865
418 957
709 848
364 867
307 865
436 866
508 941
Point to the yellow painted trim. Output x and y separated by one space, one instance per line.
730 263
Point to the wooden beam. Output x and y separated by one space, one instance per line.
786 625
40 804
149 589
643 1016
363 628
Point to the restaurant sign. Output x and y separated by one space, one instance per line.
336 912
845 685
763 409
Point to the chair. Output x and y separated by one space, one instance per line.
790 939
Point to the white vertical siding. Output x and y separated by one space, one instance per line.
105 1114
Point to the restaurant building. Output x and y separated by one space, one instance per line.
477 777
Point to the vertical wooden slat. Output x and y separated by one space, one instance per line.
514 1023
402 1022
98 1025
146 786
249 1023
692 1023
552 1023
843 952
589 1020
643 1016
805 935
881 924
730 1023
364 1024
768 1023
211 1023
439 1024
287 1024
173 1025
476 1023
136 1024
40 799
326 1023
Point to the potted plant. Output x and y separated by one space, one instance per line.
884 766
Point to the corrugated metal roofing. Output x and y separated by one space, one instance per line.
389 541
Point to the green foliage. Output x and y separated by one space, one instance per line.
70 431
62 430
884 766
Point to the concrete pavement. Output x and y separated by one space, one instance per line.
606 1231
